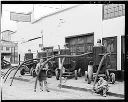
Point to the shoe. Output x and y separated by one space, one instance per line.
41 90
104 95
47 90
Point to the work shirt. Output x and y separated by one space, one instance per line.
38 66
42 75
102 83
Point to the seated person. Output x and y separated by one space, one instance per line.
101 87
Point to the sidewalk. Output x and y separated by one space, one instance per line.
72 88
116 89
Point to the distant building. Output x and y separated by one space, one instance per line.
9 49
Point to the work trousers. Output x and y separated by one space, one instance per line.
45 84
102 90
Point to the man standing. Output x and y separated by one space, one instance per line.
101 86
42 76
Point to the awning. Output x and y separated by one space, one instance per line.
6 54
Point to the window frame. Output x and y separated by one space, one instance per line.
110 11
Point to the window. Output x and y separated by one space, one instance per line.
1 47
113 10
7 48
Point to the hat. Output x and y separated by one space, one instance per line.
98 40
100 78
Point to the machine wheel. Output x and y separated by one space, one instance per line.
34 73
57 74
86 74
49 74
75 74
89 80
79 73
22 72
31 70
112 76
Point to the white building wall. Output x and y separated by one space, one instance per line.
25 32
80 20
83 19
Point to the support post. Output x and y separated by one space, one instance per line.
60 67
19 59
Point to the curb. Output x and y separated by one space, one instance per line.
21 79
90 90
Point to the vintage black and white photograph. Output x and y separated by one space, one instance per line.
62 51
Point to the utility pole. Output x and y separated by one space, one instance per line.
42 41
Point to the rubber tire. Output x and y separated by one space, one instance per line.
57 75
79 73
34 73
49 74
22 72
75 74
89 80
112 76
86 76
31 71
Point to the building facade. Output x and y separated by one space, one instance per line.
9 49
106 22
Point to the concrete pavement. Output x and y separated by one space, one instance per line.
23 89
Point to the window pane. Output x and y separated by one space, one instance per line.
120 13
123 12
112 9
120 7
123 6
105 11
105 7
109 15
7 48
116 14
105 16
108 10
116 9
112 15
1 47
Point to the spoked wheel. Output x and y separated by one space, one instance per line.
22 71
112 77
31 71
49 73
79 73
57 74
75 74
86 74
34 73
87 78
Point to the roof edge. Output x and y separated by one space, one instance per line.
79 35
51 14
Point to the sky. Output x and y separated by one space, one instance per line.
7 24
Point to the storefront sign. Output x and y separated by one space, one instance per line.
20 17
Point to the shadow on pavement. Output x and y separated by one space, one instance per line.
90 90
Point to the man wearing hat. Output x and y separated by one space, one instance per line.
42 75
101 86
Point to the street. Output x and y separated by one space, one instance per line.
23 89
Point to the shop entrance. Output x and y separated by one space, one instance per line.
122 52
110 44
